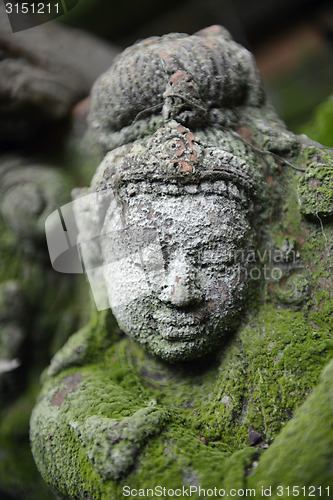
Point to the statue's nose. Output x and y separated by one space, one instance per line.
179 287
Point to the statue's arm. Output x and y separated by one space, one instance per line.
86 419
90 439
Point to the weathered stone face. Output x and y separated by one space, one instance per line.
165 110
195 299
174 253
184 180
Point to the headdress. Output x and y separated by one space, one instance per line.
195 79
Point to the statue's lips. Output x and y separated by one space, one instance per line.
178 326
178 333
177 318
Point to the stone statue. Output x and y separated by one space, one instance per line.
215 252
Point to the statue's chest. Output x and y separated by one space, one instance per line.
194 393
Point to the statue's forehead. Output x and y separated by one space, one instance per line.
186 218
174 156
180 207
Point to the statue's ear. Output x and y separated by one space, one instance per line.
315 189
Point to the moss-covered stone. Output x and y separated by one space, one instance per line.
100 384
110 415
264 375
316 186
302 454
32 298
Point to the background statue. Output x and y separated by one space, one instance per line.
43 154
216 259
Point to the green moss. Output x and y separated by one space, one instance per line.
264 376
177 458
270 364
110 415
88 345
302 454
316 186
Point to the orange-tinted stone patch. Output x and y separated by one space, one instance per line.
71 382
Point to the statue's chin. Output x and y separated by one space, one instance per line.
179 350
175 335
180 344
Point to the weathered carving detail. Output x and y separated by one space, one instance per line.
198 201
189 177
199 80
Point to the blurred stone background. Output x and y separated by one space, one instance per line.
46 73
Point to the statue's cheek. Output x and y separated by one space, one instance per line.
219 282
